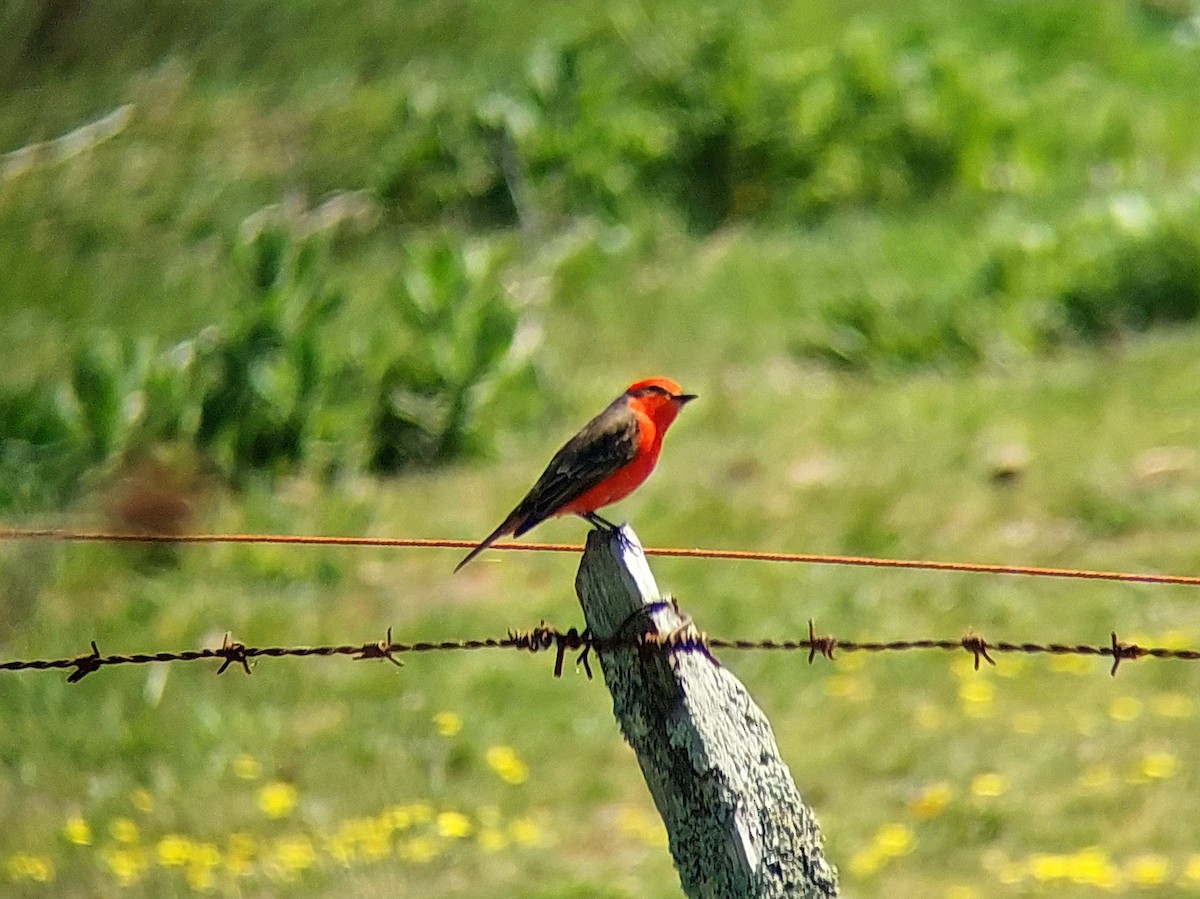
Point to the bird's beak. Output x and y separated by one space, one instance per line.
684 398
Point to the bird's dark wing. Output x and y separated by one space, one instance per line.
604 446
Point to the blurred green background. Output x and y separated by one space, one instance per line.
361 268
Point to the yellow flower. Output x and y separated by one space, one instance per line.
25 866
174 851
492 840
202 868
894 840
524 832
930 716
1148 870
240 848
507 764
293 854
1191 870
142 800
1027 722
77 831
247 767
851 661
1091 867
454 825
1096 777
1005 870
1125 708
962 891
931 801
848 686
420 812
988 785
200 878
1047 866
341 849
420 850
206 854
635 822
1174 639
963 667
977 691
1072 664
126 865
1172 705
1010 666
237 865
1159 765
866 862
399 817
240 843
369 838
448 724
123 830
277 800
977 695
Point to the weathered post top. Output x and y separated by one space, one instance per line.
736 823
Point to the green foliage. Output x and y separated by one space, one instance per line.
443 158
1125 265
257 393
462 344
55 431
715 130
1116 267
872 329
41 451
261 373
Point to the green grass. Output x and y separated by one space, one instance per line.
897 469
862 375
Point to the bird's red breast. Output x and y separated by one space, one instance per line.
652 405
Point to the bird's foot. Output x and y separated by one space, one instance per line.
599 522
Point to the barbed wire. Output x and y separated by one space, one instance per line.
739 555
545 638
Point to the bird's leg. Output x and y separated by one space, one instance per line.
601 524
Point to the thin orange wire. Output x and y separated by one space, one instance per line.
731 554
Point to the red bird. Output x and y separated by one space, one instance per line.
605 462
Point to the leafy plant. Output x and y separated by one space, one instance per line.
464 342
706 126
260 375
1125 264
444 159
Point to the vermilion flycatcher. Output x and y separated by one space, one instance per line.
603 463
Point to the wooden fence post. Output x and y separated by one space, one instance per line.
737 825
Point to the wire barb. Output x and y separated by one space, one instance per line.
978 647
1123 651
380 650
85 665
822 645
231 652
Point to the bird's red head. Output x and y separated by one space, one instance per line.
659 398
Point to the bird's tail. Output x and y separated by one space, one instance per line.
510 524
